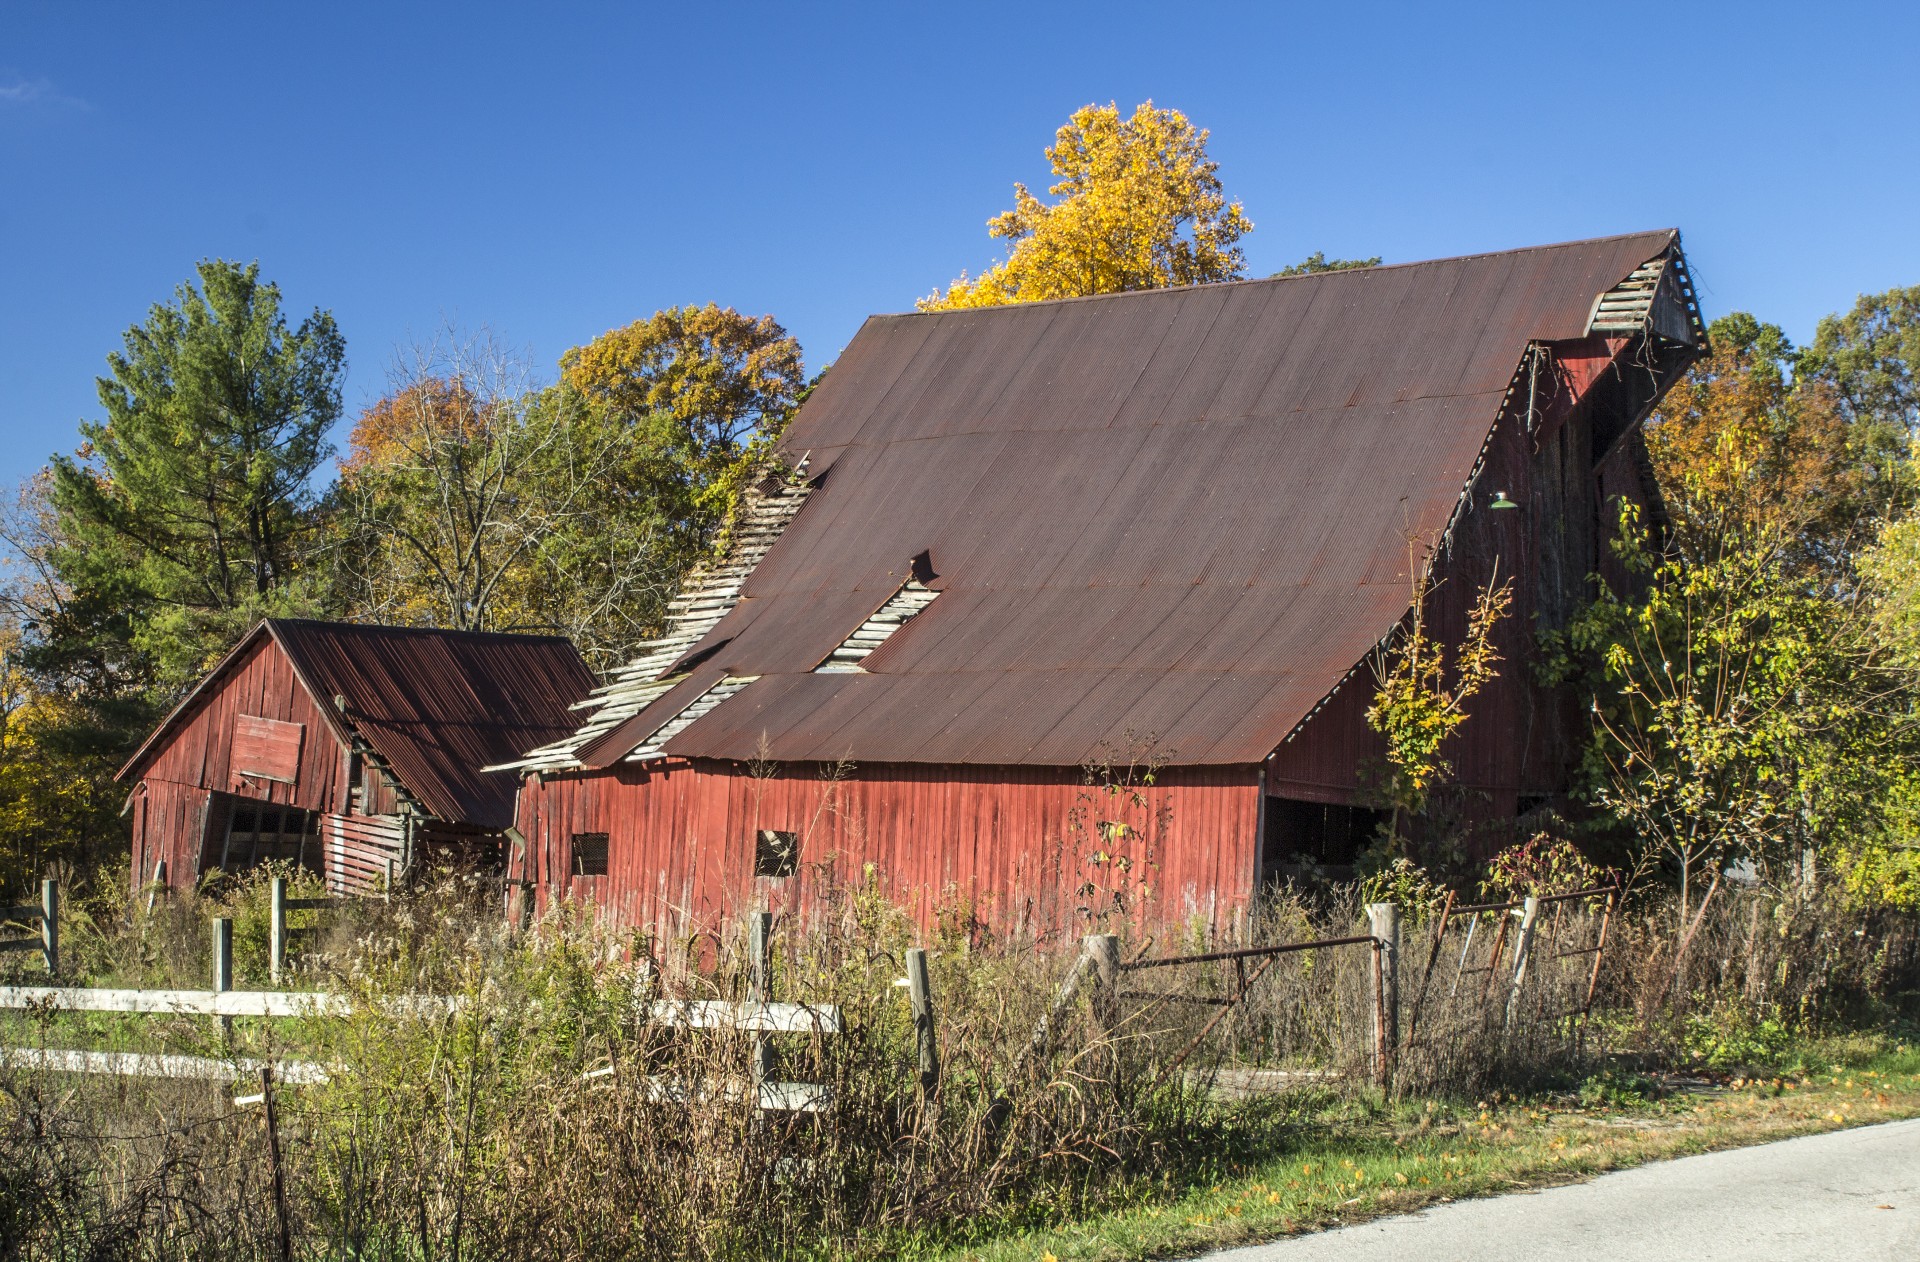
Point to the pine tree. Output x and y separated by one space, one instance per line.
188 505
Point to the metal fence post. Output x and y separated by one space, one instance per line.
920 993
50 924
1522 948
1383 922
277 928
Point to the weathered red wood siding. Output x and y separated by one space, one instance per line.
1013 843
377 794
169 826
1520 738
171 809
199 751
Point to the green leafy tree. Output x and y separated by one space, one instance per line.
708 387
1752 447
1742 715
1319 262
473 498
1872 355
1749 698
183 516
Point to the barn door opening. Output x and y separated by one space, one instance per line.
1304 839
260 832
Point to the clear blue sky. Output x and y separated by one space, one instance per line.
552 171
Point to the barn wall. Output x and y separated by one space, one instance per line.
169 825
170 818
198 751
1015 843
1521 739
377 793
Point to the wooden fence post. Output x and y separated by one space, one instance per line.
282 1218
223 953
223 967
1383 922
50 924
1103 950
1522 948
158 883
277 928
760 988
920 994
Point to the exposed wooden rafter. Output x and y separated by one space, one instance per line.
709 591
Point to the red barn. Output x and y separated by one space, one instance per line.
345 748
1013 560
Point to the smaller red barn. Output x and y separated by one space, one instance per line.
346 748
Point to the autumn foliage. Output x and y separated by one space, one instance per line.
1140 207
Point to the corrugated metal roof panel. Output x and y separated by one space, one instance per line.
1183 508
437 705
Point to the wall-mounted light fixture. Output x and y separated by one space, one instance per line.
1500 500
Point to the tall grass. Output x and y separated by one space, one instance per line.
547 1116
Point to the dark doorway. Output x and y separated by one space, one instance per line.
257 832
1303 836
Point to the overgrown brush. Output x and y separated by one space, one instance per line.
544 1114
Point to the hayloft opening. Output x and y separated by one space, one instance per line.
1300 835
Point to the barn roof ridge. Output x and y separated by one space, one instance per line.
440 633
1276 277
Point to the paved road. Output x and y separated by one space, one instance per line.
1824 1196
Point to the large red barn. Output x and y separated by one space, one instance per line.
345 748
1010 557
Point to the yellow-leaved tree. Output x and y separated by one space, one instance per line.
1140 207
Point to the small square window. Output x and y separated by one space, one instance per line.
776 854
590 854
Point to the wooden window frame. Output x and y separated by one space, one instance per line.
776 854
589 851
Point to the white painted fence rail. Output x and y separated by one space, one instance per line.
217 1003
751 1016
157 1065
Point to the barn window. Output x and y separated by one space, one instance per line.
590 854
776 854
1299 834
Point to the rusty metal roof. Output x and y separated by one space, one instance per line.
1181 513
435 705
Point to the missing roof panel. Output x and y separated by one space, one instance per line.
899 610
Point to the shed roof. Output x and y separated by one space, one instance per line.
1179 513
436 706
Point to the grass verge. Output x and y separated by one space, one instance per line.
1349 1168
